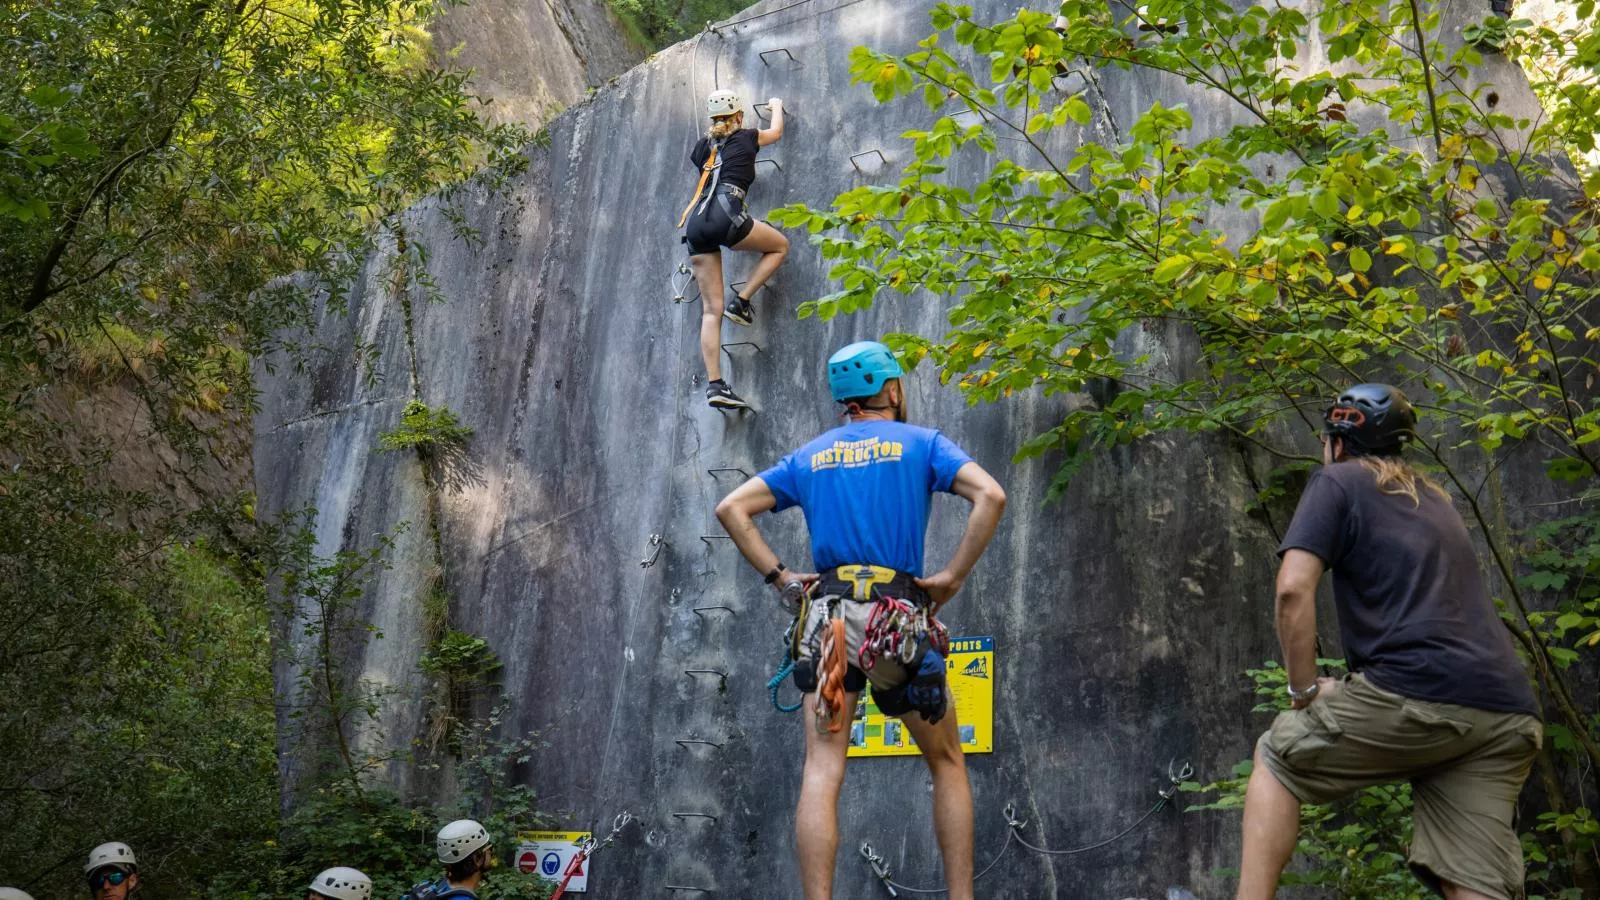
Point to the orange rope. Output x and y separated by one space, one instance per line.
705 173
830 684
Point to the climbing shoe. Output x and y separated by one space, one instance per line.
720 396
739 311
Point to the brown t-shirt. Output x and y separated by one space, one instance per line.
1414 614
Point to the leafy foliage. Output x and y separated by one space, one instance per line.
661 22
426 430
1386 217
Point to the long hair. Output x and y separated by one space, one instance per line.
1397 477
723 127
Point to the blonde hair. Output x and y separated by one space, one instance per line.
723 127
1397 477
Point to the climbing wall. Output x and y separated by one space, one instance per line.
579 536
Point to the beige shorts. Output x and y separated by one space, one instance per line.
1466 767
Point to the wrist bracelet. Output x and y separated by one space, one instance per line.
1305 695
773 575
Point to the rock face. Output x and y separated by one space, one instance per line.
534 58
1123 616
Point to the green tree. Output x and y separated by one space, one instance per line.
1407 229
180 185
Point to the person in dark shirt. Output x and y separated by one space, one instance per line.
717 218
866 490
1435 696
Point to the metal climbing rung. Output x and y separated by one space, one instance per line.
694 816
722 676
784 50
713 472
686 742
740 344
656 543
855 156
764 111
768 159
702 610
708 538
685 887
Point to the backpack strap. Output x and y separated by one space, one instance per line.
712 170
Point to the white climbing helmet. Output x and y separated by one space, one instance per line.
111 853
722 103
340 883
460 839
14 894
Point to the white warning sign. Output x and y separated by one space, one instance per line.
552 855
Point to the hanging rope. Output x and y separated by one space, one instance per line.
1014 828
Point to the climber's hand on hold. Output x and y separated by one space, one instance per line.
775 103
941 586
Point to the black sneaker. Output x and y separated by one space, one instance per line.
739 311
720 396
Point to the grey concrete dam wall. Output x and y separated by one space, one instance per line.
1123 616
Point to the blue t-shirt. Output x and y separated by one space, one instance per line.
866 488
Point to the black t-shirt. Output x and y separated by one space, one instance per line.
738 158
1414 614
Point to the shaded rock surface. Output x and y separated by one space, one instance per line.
1123 616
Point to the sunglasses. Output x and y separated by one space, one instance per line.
113 878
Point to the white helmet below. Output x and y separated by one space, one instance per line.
341 883
111 853
723 103
460 839
9 893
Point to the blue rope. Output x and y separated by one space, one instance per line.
777 681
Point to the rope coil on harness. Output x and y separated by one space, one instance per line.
832 665
1014 827
587 849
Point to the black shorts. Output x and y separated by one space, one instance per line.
721 222
890 701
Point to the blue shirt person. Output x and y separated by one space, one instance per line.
866 489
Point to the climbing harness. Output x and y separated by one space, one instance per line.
587 849
1176 775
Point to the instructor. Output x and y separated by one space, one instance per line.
866 488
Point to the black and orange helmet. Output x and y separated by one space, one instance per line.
1373 419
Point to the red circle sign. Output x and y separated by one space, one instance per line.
528 860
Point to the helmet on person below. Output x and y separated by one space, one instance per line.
460 839
342 883
861 370
723 103
1373 419
11 893
111 853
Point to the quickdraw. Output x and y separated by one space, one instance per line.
587 849
896 630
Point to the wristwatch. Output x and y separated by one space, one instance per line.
773 575
1305 695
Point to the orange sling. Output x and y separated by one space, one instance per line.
705 173
833 664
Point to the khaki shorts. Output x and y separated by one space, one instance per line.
1466 767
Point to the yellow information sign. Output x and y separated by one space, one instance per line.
549 855
970 670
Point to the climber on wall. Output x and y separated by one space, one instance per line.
1436 695
717 218
866 488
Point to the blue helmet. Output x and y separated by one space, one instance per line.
860 370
